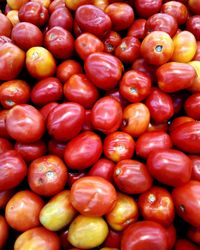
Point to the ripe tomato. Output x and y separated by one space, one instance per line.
195 167
12 15
196 82
146 8
137 29
193 234
3 129
183 244
171 236
192 25
76 3
56 4
192 106
194 6
5 145
178 121
16 5
89 193
4 229
113 239
6 25
5 197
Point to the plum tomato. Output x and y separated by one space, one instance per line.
16 5
56 4
113 239
13 169
197 55
178 121
137 29
171 236
193 233
3 129
194 6
6 25
192 106
83 150
196 82
74 176
192 25
89 193
47 175
116 94
195 167
132 177
12 15
146 8
87 125
56 148
4 229
111 41
46 109
23 209
5 145
183 244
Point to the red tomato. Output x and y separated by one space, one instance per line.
146 8
30 119
38 236
13 169
47 175
46 109
192 25
56 148
178 121
193 234
5 145
104 70
3 129
65 121
4 229
87 125
183 244
186 201
113 239
56 4
23 209
74 176
119 146
151 141
6 25
197 55
195 167
194 6
163 127
89 193
106 115
5 197
132 177
137 29
116 94
171 235
178 99
144 235
192 106
83 150
111 41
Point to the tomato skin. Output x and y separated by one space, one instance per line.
132 177
47 175
5 145
103 168
4 232
195 88
6 26
192 25
46 109
170 167
11 164
137 29
74 176
87 125
146 8
193 234
75 4
56 148
171 235
23 209
104 70
39 94
175 76
111 41
13 17
65 121
197 55
16 5
83 150
156 204
178 121
194 6
151 141
113 239
3 129
5 197
37 237
80 90
88 193
186 208
195 167
192 104
56 4
144 235
116 94
87 17
106 115
183 244
186 137
119 146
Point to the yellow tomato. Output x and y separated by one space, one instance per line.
196 82
13 17
16 4
45 3
73 5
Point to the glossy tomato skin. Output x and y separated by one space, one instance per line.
23 209
46 91
83 150
13 17
135 86
46 109
171 235
38 236
65 121
186 137
192 25
47 175
187 208
87 125
116 94
178 121
86 13
119 146
194 6
146 8
169 166
4 232
132 177
75 4
111 41
6 25
74 176
113 239
144 235
175 76
137 29
151 141
195 167
104 70
56 4
3 129
192 106
80 90
31 151
11 164
5 145
56 148
106 115
156 204
30 118
183 244
88 193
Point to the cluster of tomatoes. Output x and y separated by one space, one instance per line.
100 124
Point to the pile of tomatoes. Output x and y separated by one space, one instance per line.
100 124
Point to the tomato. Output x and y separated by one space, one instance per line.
4 232
123 214
47 175
175 76
5 197
83 150
56 4
121 15
22 210
31 151
65 121
56 148
186 201
183 244
163 127
12 15
192 25
151 141
171 235
186 137
178 99
5 145
76 3
30 119
46 109
12 60
103 168
194 6
144 235
13 169
89 193
146 8
6 26
116 94
16 5
111 41
106 115
3 129
137 29
80 90
87 125
132 177
87 17
193 234
26 35
196 82
119 146
74 176
103 69
178 121
162 22
87 232
197 55
37 237
192 106
136 118
113 239
58 212
195 167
